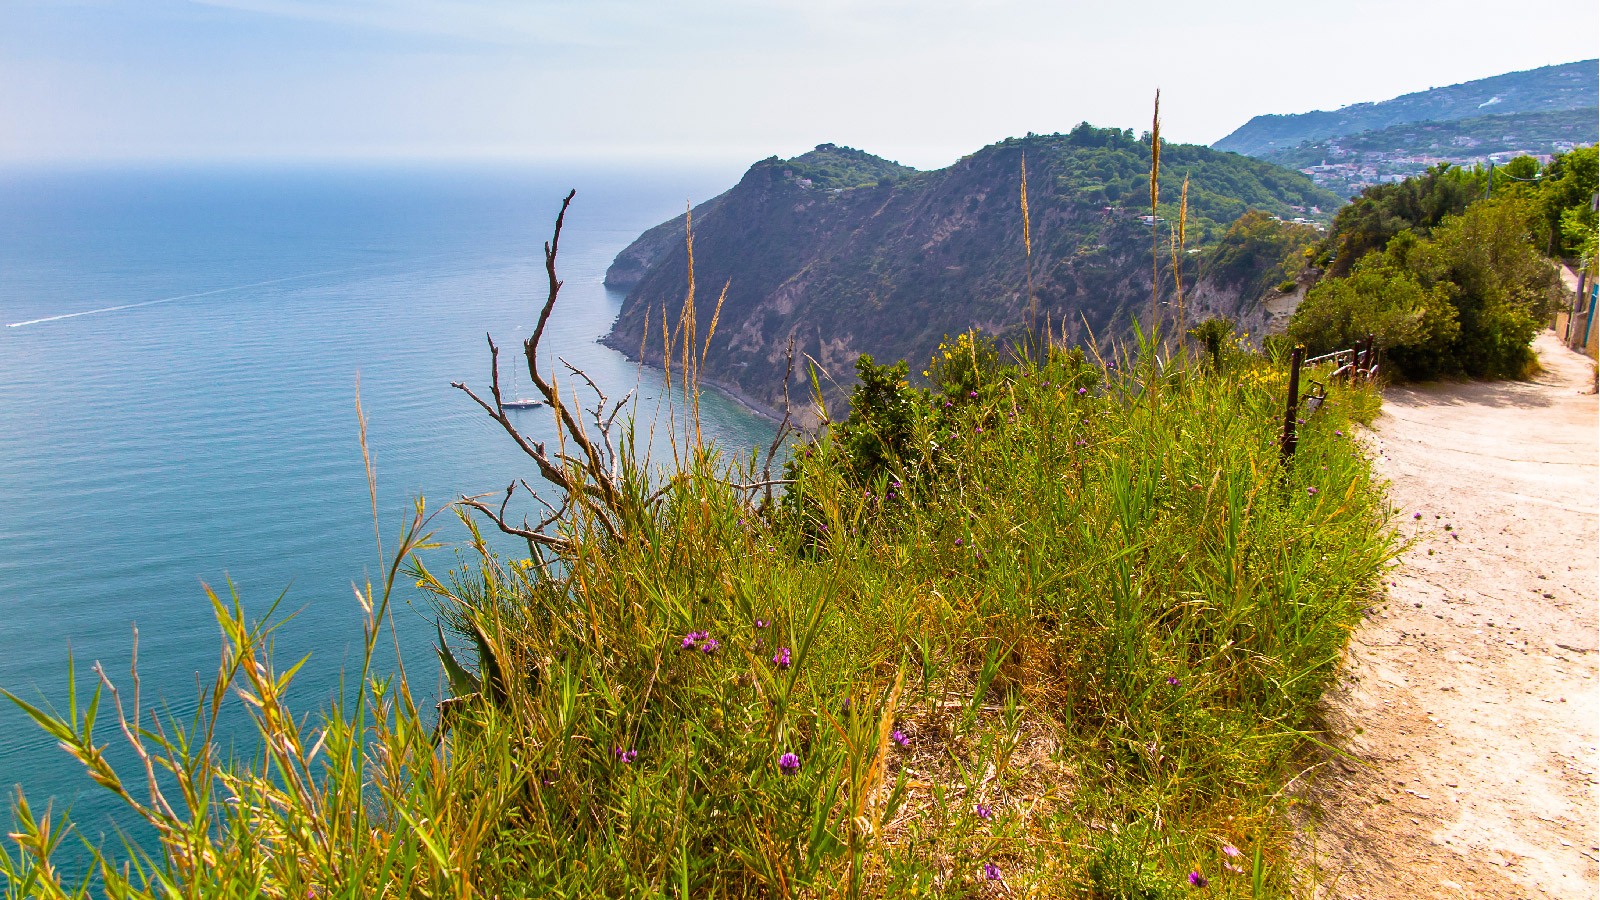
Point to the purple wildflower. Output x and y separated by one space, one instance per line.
973 394
1198 880
1311 490
626 756
711 645
958 542
1231 850
899 737
1082 391
763 623
781 658
789 763
1338 434
1172 680
991 871
984 812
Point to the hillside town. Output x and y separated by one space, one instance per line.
1347 172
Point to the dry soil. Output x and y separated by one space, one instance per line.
1468 709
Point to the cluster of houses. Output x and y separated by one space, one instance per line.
1298 220
1347 172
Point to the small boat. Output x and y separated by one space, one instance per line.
518 401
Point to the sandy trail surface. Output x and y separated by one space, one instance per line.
1469 707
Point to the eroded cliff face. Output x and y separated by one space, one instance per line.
630 266
891 269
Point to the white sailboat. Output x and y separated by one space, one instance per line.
517 401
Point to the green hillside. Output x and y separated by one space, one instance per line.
831 167
893 265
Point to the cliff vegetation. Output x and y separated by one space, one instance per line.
1053 627
883 261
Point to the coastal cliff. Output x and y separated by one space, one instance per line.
895 260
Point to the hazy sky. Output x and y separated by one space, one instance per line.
725 80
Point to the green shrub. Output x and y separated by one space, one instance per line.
877 434
1501 286
965 366
1214 336
1466 300
1412 324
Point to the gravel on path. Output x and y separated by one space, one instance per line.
1469 707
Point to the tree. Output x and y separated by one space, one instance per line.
1565 199
1258 251
1501 286
1467 300
1413 324
1383 211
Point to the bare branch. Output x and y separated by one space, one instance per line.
783 427
550 249
758 485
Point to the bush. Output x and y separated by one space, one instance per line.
1501 286
1467 300
965 366
877 435
1214 335
1412 324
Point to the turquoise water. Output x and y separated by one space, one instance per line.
178 401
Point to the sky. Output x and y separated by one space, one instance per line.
711 80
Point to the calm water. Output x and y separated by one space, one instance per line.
207 432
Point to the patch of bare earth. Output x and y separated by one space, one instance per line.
1469 707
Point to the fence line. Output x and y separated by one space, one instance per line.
1358 362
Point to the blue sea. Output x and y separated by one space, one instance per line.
178 385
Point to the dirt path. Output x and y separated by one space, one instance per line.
1470 699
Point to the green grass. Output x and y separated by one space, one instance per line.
1075 636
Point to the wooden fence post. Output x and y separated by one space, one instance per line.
1286 448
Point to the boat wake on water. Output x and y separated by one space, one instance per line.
237 287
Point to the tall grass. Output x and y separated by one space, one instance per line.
1072 645
1065 635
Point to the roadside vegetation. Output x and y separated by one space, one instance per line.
1057 626
1453 274
1049 625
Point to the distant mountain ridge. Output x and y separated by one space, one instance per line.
1568 86
892 264
1542 132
